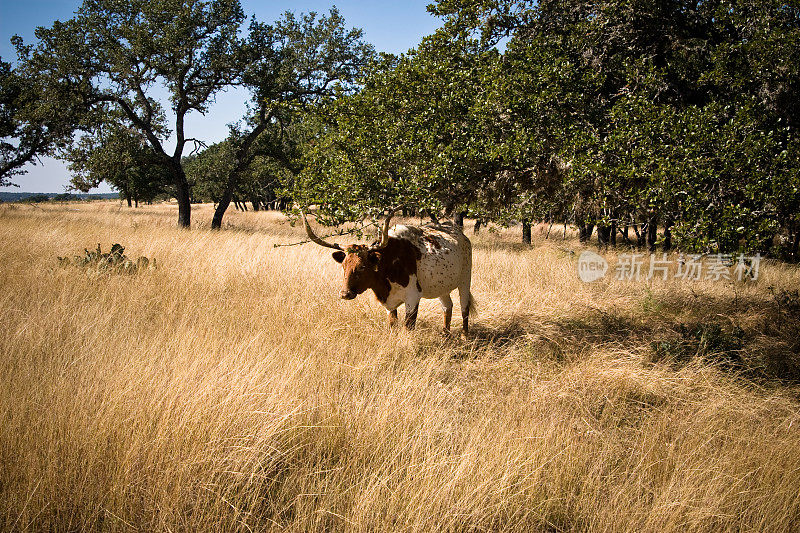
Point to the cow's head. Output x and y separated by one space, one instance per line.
359 261
360 264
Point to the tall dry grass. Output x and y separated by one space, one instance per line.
231 390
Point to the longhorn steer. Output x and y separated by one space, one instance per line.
409 263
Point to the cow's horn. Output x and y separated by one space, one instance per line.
384 242
314 238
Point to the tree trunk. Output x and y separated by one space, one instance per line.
219 211
667 245
614 233
136 201
430 215
183 197
233 177
641 236
128 197
477 227
652 233
459 219
585 232
766 245
603 235
526 231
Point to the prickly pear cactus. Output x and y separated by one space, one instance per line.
114 261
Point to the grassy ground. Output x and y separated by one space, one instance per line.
230 389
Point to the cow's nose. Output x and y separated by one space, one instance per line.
347 295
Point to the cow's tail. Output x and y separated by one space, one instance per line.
473 306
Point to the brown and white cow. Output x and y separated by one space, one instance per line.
406 264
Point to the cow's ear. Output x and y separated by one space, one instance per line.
339 256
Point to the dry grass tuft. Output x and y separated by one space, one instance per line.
230 390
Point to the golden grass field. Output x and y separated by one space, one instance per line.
230 389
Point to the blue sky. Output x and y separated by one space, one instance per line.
389 26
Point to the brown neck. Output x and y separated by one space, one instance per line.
381 288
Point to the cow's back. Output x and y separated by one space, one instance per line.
446 256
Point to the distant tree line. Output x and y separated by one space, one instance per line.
644 122
60 197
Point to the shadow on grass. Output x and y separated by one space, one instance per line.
754 338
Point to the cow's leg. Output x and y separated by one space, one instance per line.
447 308
466 303
412 306
392 318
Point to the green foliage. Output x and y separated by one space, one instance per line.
208 170
120 156
65 197
291 68
628 111
36 118
676 114
37 198
413 135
